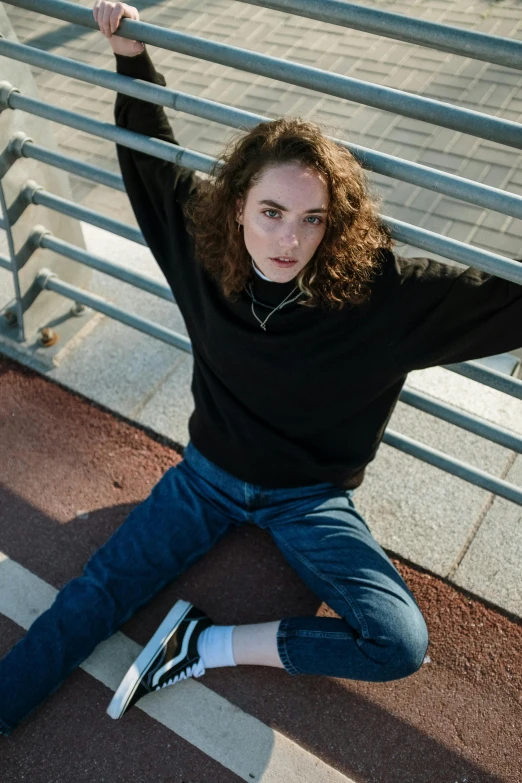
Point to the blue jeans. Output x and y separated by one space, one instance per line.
381 634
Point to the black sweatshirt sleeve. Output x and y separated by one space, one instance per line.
447 314
157 189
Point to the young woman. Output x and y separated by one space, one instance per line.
304 325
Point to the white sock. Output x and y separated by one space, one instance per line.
215 646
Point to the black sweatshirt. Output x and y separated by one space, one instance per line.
306 401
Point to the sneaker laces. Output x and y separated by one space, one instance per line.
196 670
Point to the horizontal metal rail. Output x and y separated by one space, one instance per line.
73 165
49 281
487 377
126 275
454 466
378 162
444 38
67 207
491 263
466 421
111 132
395 101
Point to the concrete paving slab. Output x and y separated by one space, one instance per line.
470 396
169 410
114 364
491 567
420 511
116 369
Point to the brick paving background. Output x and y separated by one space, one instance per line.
491 89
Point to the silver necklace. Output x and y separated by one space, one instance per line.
279 306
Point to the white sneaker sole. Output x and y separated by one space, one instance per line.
132 679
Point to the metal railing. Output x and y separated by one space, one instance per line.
485 47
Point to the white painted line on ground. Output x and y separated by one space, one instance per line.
238 741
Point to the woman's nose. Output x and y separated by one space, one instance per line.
289 238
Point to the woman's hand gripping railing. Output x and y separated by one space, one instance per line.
108 16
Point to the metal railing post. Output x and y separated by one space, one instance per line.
14 315
35 309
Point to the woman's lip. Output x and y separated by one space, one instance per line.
292 260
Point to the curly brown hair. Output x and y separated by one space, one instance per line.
348 256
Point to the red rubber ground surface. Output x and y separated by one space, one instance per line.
459 719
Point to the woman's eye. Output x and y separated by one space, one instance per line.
310 217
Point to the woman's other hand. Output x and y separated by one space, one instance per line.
108 16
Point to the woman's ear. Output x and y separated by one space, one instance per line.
239 209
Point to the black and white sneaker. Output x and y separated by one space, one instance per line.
170 656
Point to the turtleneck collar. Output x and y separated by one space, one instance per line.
270 292
260 273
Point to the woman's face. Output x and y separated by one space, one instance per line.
284 215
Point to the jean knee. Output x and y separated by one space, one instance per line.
410 646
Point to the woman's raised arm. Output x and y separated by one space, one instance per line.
157 188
